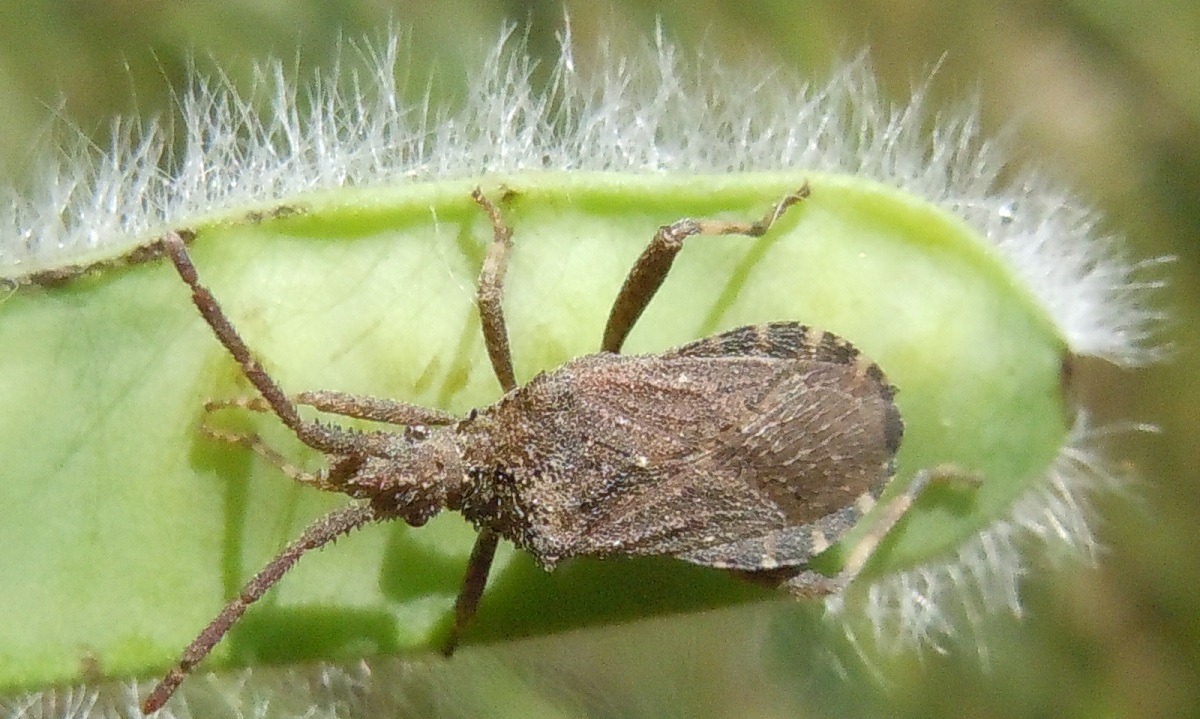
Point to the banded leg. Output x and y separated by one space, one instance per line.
495 338
319 533
651 268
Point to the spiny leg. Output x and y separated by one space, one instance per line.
651 268
319 533
495 337
491 294
808 583
475 580
324 439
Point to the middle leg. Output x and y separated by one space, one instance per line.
651 268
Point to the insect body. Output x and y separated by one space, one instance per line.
706 452
751 450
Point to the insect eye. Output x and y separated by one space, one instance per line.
416 433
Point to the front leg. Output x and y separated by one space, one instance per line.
491 294
475 580
495 337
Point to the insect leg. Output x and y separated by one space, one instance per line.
808 583
319 533
472 588
655 262
491 294
324 439
495 337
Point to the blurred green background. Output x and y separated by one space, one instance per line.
1103 94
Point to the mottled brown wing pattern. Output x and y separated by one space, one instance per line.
840 468
788 340
745 437
633 425
821 462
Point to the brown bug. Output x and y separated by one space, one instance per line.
751 450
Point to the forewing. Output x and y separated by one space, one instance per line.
796 449
763 437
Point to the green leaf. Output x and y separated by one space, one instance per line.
123 530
